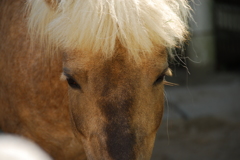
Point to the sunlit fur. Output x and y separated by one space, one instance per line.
98 26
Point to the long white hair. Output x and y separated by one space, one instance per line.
98 26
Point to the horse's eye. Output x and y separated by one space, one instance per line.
166 72
72 83
159 79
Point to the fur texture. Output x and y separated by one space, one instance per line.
98 26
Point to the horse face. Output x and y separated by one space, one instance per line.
116 104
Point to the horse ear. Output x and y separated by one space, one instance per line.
53 3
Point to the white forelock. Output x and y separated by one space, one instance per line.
98 26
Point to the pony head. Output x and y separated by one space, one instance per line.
114 60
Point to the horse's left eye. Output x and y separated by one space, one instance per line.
166 72
159 79
72 83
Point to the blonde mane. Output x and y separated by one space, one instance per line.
96 26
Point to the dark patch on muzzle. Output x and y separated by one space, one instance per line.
116 102
120 138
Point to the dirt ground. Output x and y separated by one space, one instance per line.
206 138
201 121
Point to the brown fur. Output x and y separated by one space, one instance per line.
118 109
115 114
33 102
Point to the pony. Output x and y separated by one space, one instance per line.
84 79
14 147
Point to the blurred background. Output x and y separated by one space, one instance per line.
202 114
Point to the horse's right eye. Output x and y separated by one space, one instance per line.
72 83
